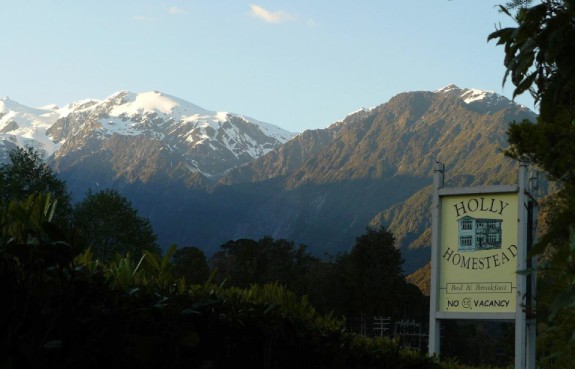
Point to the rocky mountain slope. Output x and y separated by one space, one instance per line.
383 159
223 176
132 137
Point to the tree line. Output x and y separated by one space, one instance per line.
86 286
64 308
366 281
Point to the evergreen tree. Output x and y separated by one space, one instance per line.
371 278
27 174
245 262
190 263
111 225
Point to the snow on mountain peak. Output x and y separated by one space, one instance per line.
448 88
25 126
130 104
470 95
125 104
77 106
155 115
50 107
9 105
361 112
147 102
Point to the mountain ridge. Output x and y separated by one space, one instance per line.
321 187
388 151
356 154
150 132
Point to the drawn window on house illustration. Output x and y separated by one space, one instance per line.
479 233
466 225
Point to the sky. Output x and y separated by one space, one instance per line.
298 64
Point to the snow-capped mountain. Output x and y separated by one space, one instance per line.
24 126
321 188
199 140
487 101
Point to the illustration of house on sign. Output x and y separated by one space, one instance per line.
479 234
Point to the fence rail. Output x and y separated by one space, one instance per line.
410 333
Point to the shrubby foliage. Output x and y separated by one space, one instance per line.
69 309
89 288
102 295
540 59
367 281
106 219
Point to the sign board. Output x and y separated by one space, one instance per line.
478 251
480 238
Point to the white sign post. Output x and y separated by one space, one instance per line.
480 241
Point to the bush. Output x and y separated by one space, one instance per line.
66 310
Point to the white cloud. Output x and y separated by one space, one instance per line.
175 11
270 17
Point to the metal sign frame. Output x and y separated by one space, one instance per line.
523 317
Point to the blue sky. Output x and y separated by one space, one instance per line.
299 64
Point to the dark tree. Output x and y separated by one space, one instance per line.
239 262
540 58
190 263
111 225
27 174
245 262
371 278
